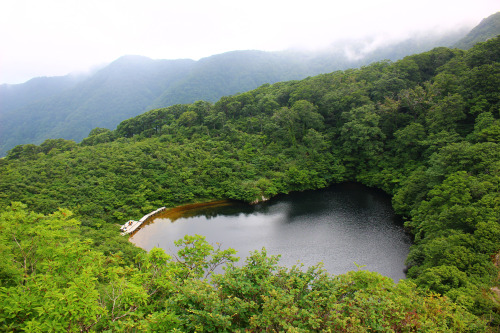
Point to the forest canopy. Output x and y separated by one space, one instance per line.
424 129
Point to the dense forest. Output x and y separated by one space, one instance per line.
424 129
69 107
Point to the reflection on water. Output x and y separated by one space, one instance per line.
339 226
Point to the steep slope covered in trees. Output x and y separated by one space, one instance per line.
132 84
486 29
424 129
119 91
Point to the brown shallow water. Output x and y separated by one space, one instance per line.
339 226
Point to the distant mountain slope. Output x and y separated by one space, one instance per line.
486 29
238 71
134 84
14 96
119 91
46 108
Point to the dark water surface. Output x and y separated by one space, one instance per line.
339 226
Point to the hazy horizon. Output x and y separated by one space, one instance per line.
56 37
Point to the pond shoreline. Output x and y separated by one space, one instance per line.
176 212
338 225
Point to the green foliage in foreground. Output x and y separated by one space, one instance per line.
53 280
425 129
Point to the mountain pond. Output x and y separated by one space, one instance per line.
342 226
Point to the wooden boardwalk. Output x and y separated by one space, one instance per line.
132 225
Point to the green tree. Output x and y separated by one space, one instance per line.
188 118
360 134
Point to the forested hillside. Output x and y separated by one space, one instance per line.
118 91
425 129
486 29
44 108
15 96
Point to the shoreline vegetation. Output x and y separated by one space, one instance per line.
425 130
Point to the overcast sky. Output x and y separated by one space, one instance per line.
56 37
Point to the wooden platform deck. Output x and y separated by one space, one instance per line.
132 225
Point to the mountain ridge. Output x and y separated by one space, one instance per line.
133 84
488 28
